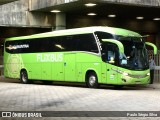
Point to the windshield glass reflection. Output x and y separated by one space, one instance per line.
135 52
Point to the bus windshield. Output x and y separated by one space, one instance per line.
135 53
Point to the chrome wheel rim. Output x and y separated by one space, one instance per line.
24 78
92 80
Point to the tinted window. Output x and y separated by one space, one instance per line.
87 43
104 35
68 43
83 42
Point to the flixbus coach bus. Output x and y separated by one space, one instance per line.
94 55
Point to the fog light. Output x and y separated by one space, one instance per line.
148 74
126 74
124 80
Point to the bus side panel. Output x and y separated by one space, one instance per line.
6 71
111 74
88 61
31 65
35 70
12 65
104 72
47 71
79 75
70 67
43 66
58 71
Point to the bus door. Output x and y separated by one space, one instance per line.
111 52
111 60
70 67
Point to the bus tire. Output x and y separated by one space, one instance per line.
92 80
24 77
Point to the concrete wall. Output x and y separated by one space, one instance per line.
40 19
6 1
39 4
22 12
17 14
13 13
138 2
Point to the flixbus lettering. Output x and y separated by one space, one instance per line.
49 57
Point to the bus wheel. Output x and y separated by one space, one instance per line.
92 80
24 77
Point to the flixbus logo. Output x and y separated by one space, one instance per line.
14 47
49 57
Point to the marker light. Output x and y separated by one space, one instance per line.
55 11
156 19
126 74
90 4
91 14
140 18
112 16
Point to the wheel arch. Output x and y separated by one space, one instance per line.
89 71
24 69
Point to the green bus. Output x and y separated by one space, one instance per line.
91 55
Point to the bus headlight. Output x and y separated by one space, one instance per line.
121 72
148 74
126 74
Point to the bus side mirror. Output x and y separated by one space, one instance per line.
153 46
123 62
123 59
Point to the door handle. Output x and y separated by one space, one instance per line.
107 69
65 64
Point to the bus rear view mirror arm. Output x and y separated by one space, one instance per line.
153 46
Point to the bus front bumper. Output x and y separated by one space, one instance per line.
135 79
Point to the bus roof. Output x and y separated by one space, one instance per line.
112 30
